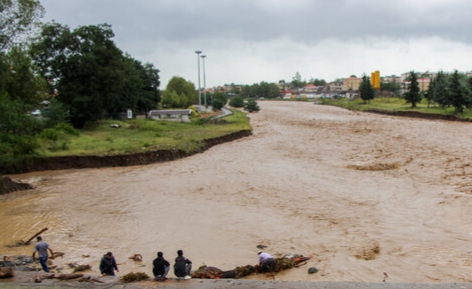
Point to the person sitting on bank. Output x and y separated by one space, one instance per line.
182 266
266 261
42 249
108 265
160 267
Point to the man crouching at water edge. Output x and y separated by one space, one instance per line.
107 264
160 267
266 261
42 249
182 266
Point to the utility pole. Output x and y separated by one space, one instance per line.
199 89
204 81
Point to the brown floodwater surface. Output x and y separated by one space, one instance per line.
362 193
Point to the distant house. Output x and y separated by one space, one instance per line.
182 115
351 83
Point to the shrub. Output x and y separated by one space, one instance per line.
49 134
217 104
237 101
251 106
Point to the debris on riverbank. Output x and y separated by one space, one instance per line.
7 185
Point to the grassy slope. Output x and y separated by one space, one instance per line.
141 136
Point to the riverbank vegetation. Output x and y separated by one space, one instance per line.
392 105
114 137
448 95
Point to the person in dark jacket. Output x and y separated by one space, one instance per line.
182 266
160 267
107 264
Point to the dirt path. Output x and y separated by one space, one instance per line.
362 193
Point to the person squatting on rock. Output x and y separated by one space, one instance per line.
107 264
266 261
42 249
160 267
182 266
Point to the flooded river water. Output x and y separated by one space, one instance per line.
362 193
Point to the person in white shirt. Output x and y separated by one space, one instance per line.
266 261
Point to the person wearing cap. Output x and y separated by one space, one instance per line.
160 267
266 261
107 264
182 266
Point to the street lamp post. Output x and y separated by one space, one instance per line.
199 90
204 81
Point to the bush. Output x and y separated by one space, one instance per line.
237 101
221 97
251 106
49 134
217 104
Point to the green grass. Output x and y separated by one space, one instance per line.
392 104
142 135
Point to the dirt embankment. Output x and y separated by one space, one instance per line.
81 162
416 114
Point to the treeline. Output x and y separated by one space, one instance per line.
445 90
262 89
75 76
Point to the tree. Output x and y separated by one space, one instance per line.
179 93
319 82
438 90
458 93
251 106
22 81
143 81
17 18
413 94
366 90
90 75
297 81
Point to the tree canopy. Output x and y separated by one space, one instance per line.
90 75
179 93
17 18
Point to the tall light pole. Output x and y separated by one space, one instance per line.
204 80
199 90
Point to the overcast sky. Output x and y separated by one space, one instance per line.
249 41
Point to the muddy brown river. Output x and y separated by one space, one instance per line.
362 193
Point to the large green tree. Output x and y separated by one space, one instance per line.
17 18
179 93
366 90
90 75
413 94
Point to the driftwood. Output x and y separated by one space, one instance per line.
7 272
284 263
81 268
68 276
30 239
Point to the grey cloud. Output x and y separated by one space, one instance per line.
299 20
